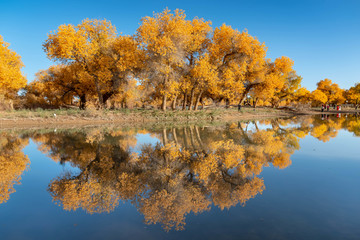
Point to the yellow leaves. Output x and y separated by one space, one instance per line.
198 35
332 91
128 53
204 73
103 61
161 35
11 78
353 94
239 59
319 96
284 65
78 43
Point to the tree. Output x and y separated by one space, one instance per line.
301 96
203 78
94 47
353 95
332 91
319 97
163 38
239 59
282 81
59 85
196 55
11 77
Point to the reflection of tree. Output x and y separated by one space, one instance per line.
190 169
13 162
98 156
326 128
352 124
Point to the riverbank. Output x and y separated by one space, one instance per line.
74 117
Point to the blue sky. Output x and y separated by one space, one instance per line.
321 36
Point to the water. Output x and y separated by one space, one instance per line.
292 178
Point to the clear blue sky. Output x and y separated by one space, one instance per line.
321 36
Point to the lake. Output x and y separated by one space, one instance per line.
289 178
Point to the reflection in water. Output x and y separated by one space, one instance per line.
13 163
191 169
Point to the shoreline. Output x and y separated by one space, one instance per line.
49 118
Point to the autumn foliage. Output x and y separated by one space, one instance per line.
11 77
169 59
169 62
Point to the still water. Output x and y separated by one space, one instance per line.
296 178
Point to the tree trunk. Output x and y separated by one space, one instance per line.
185 101
227 102
106 97
82 102
163 105
198 100
255 102
246 91
191 99
100 96
173 105
202 103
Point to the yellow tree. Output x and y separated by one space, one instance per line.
196 46
280 82
163 38
203 78
332 91
58 85
353 95
239 59
301 96
94 46
11 78
129 95
319 97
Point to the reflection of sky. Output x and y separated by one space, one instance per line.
343 147
143 139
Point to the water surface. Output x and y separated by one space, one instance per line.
294 178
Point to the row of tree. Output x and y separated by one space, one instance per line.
168 59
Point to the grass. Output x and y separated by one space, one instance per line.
135 114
